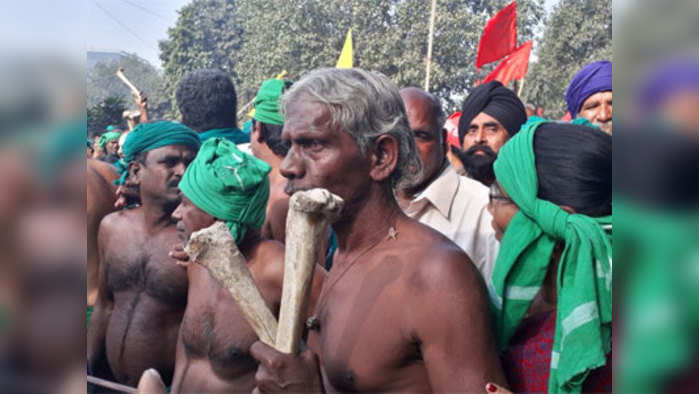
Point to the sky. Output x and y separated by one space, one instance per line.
136 26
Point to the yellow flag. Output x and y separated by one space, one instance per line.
345 59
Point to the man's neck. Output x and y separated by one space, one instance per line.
371 220
406 195
156 215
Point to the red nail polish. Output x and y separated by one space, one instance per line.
491 387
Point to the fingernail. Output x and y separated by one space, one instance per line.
491 387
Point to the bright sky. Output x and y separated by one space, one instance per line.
136 26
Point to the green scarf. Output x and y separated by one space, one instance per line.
229 185
106 137
266 103
149 136
232 134
584 281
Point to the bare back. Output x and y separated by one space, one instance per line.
411 315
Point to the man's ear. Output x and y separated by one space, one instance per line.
135 168
567 209
384 157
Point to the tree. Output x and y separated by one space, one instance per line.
578 32
105 113
207 34
265 37
103 83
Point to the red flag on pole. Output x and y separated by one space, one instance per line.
513 67
499 36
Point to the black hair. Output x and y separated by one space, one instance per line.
574 167
271 134
207 100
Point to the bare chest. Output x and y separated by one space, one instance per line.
362 340
137 264
214 327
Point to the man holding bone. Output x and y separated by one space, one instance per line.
403 308
225 184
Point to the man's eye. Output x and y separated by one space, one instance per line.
310 143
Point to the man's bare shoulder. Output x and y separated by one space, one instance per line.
119 219
268 260
434 262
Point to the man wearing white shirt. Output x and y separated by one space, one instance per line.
454 205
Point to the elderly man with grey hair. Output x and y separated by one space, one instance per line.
403 308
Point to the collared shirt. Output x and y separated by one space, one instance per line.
457 207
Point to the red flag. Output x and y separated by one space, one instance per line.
513 67
499 36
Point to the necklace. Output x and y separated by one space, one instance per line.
313 323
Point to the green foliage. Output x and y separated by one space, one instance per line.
577 32
102 83
207 34
105 113
256 39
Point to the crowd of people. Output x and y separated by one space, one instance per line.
472 253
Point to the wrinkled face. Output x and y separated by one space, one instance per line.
429 137
598 110
502 208
112 147
190 218
163 169
321 155
485 130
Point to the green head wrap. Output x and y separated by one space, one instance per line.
111 128
229 185
230 133
149 136
266 103
106 137
584 279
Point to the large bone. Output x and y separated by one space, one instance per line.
310 212
215 249
134 90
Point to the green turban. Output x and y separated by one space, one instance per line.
229 185
266 103
584 278
149 136
106 137
111 128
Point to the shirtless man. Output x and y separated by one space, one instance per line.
142 293
266 144
214 341
403 308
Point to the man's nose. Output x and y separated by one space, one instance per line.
176 214
179 169
291 167
605 113
480 136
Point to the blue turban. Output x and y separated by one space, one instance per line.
678 75
593 78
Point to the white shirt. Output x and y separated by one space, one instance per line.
457 207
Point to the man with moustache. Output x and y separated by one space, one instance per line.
402 308
142 292
223 183
589 95
454 205
490 115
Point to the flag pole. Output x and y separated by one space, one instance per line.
521 85
429 47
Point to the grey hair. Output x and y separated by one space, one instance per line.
366 105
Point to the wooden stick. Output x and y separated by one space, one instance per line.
310 212
521 85
429 47
215 249
111 385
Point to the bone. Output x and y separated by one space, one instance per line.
122 76
215 249
310 212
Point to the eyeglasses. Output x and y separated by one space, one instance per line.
496 194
